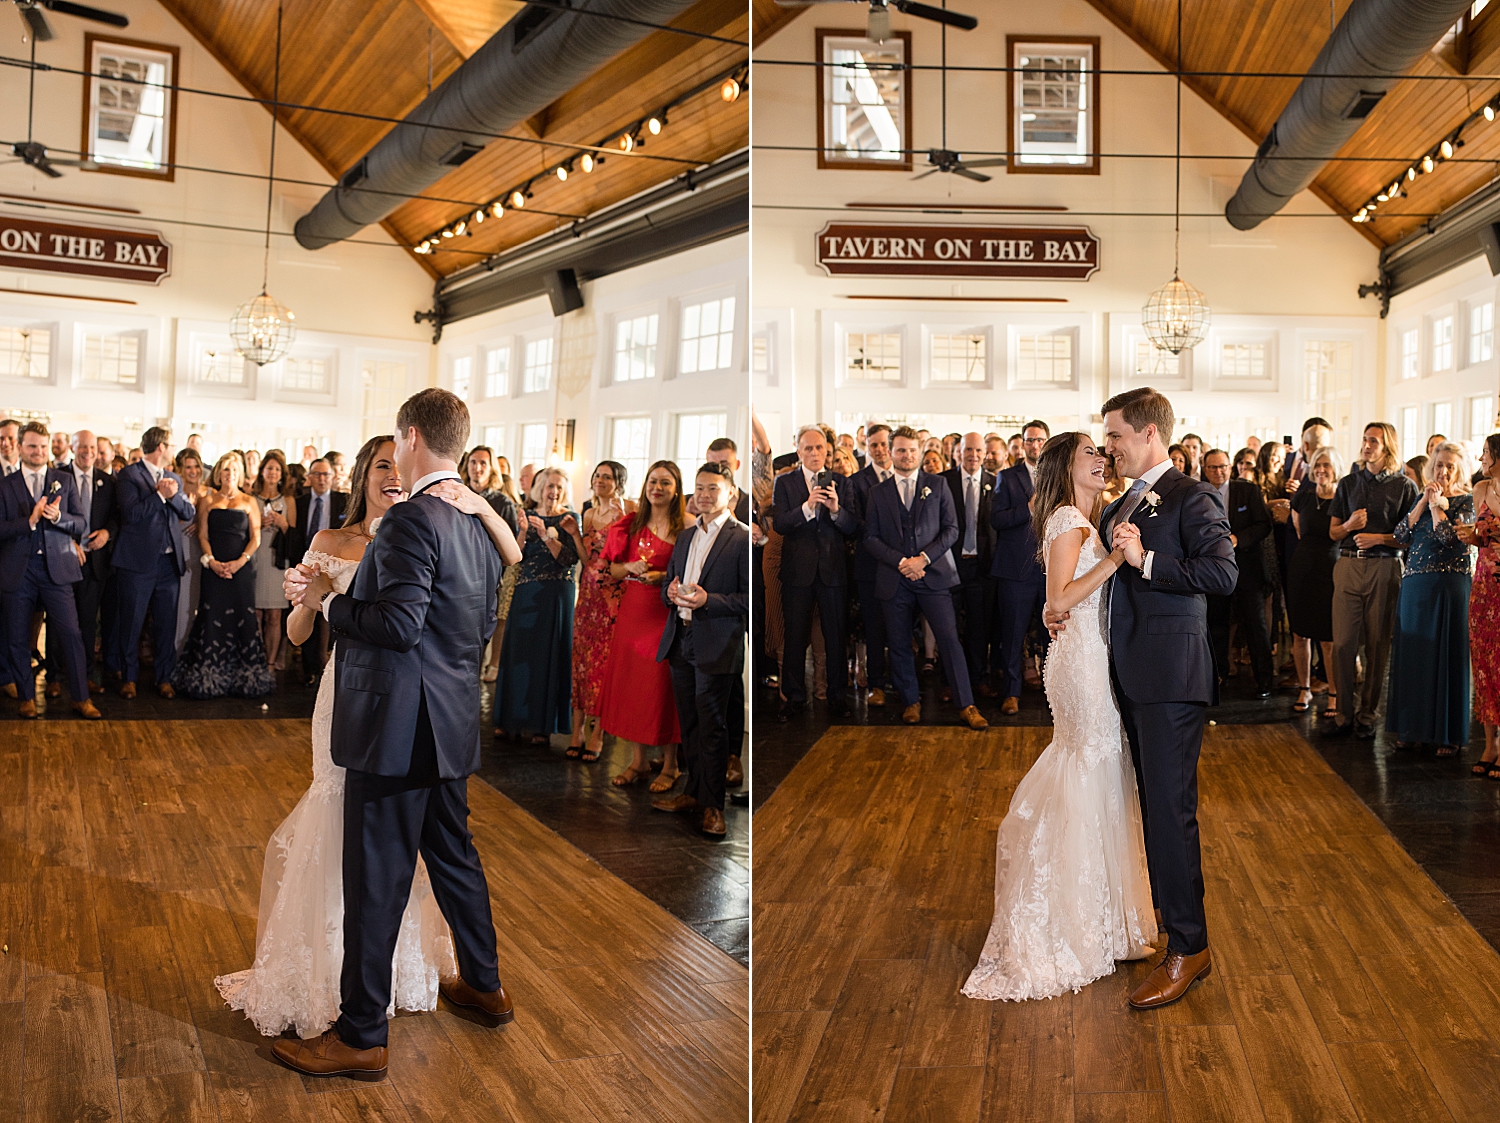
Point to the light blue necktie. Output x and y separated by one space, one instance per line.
1128 505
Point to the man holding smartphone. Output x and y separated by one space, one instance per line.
809 512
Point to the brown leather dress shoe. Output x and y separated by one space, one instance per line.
1171 979
973 718
734 775
1011 706
682 802
494 1008
329 1056
987 690
876 697
87 710
166 691
713 822
28 709
128 690
96 688
9 690
912 714
54 690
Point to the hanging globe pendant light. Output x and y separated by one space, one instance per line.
263 329
1176 316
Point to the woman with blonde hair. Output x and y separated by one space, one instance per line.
1309 599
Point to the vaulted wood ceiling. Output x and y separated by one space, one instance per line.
1228 40
372 57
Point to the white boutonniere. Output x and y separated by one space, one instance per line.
375 525
986 488
926 491
1153 501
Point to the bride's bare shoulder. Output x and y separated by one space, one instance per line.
346 544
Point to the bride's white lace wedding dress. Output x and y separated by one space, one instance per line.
1072 894
299 938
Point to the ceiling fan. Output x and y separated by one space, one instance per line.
945 159
34 152
40 30
880 14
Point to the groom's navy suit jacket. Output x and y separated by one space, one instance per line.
1158 629
413 628
930 527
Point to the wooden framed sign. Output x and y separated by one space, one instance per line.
87 251
1032 253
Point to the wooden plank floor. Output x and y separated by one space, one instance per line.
1346 986
130 856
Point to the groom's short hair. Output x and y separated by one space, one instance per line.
442 419
1141 407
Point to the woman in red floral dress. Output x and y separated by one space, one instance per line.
1484 605
598 603
636 703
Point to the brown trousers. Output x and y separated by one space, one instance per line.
1365 591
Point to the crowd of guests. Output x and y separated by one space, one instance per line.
1371 582
157 549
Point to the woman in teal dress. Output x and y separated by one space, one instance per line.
532 696
1429 683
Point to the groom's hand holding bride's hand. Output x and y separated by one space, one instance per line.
1127 537
295 584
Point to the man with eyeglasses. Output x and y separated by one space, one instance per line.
1021 584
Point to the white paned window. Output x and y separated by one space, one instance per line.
1482 332
864 101
536 376
25 352
1329 367
1409 438
1411 354
497 372
112 357
1481 417
220 365
463 375
630 444
1051 101
635 348
384 391
1151 361
694 432
958 358
305 374
129 123
760 353
707 336
534 443
1442 421
871 356
494 438
1243 360
1442 343
1044 356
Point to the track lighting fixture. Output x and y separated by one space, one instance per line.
497 208
1489 112
478 216
1446 148
626 142
586 162
655 124
730 90
517 199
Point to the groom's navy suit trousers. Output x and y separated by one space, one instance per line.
1162 670
409 639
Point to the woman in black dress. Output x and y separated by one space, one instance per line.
1309 586
224 655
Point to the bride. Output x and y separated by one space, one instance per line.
299 937
1072 894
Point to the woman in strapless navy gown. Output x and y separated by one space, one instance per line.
224 655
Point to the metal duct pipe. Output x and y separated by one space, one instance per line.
1378 39
540 54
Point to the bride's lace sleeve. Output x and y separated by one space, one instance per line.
1059 523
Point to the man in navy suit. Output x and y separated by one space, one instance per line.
809 511
910 527
973 597
1021 586
148 559
96 501
40 527
411 634
707 591
1176 539
876 472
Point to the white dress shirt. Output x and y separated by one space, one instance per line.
702 543
809 512
1150 475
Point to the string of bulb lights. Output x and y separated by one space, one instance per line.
1438 154
730 84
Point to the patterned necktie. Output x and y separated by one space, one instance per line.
317 517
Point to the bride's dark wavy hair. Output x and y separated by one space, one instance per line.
1054 486
355 514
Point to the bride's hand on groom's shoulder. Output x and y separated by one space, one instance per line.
467 500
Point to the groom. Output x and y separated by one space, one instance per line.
1175 535
411 635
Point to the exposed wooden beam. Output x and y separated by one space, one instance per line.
767 19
